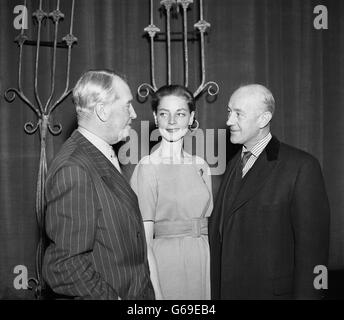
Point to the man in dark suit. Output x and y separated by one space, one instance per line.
97 242
270 225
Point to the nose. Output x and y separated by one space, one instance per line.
171 119
133 114
230 120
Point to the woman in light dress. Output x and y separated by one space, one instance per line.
175 199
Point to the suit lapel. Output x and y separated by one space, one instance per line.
229 177
106 169
256 177
218 215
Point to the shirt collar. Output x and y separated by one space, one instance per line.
258 148
98 142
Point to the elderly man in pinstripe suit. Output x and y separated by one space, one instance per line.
97 244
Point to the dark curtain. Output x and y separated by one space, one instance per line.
272 42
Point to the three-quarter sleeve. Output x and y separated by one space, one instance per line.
144 183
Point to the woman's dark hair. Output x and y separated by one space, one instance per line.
173 90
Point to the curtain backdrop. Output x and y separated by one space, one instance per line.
272 42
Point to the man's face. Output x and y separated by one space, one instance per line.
121 114
244 110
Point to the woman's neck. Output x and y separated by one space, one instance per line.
171 150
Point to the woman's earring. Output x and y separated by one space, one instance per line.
193 129
155 120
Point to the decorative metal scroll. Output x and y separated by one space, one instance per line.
43 112
201 26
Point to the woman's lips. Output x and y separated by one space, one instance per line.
172 130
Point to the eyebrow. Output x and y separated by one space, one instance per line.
235 109
164 109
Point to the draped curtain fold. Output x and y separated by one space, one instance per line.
272 42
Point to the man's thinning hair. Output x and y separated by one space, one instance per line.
264 95
94 86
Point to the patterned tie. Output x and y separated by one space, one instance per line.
244 159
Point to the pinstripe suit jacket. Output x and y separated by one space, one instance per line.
97 244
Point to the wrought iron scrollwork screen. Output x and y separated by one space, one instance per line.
152 30
42 110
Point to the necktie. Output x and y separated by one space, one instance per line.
114 160
244 159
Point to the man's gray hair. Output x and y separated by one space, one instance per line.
264 95
94 86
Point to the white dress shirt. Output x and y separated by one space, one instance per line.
102 146
256 151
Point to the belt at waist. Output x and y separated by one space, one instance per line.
181 228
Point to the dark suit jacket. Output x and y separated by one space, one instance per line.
98 247
276 230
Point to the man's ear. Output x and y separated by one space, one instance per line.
101 112
265 119
192 118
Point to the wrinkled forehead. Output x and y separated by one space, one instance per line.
122 89
246 99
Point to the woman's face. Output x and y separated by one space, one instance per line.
173 118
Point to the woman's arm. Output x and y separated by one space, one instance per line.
144 184
149 231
